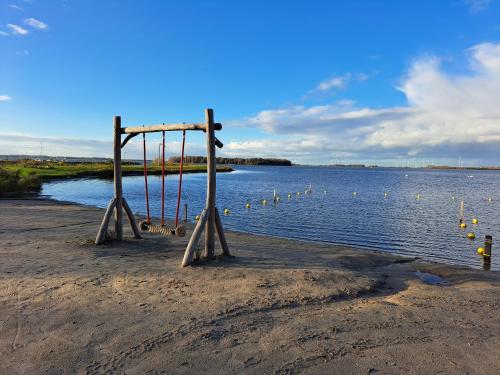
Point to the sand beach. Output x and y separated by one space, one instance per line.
278 307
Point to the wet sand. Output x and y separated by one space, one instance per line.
280 306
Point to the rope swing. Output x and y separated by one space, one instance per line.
209 221
163 180
148 217
146 225
179 190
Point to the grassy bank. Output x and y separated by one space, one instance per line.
13 183
25 176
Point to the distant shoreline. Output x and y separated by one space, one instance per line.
361 166
221 161
465 168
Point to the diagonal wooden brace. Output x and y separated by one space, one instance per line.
101 234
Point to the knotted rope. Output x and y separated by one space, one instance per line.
178 231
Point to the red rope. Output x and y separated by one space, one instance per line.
146 177
163 181
180 180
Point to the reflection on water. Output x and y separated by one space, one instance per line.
408 212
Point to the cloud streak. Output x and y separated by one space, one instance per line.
17 30
21 31
16 7
338 83
36 24
476 6
5 98
333 83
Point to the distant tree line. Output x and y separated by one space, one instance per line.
237 161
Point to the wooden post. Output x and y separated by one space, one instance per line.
488 241
185 212
209 218
211 185
195 238
117 121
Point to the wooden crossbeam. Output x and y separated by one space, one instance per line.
167 127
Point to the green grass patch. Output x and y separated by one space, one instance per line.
23 176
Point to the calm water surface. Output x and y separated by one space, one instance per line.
397 223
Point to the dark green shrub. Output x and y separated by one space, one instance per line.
11 183
30 182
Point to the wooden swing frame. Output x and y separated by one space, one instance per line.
209 218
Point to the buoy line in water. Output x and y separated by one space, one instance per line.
309 191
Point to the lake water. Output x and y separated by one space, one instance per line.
399 222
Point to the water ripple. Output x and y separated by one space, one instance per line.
399 223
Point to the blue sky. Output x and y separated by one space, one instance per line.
385 82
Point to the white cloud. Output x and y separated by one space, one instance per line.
360 77
13 6
3 33
23 53
295 148
5 98
445 113
476 6
17 30
342 115
37 24
339 82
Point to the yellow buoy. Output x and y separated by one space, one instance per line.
197 217
298 193
463 225
354 193
289 195
418 196
385 194
490 199
471 236
475 221
480 250
264 201
453 198
226 211
247 205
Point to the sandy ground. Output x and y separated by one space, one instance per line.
68 306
